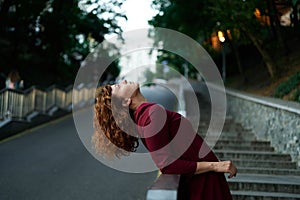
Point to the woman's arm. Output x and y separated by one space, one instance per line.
165 155
222 166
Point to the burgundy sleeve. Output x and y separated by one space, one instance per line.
158 140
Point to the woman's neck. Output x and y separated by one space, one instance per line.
137 100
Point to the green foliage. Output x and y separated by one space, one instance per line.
52 36
287 86
188 18
294 2
296 95
197 19
200 19
175 64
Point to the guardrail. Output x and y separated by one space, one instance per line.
24 105
18 104
165 187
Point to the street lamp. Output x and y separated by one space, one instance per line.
222 40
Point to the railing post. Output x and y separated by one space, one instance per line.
21 105
5 103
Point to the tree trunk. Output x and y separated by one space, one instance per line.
271 66
294 19
274 22
238 60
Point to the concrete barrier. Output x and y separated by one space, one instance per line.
164 188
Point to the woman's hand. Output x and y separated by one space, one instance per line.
221 166
226 167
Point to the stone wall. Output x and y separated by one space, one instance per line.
270 119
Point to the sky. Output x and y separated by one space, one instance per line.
138 13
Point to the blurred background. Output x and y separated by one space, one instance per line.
255 45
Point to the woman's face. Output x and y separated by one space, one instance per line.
124 89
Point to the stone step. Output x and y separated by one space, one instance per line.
243 148
263 174
265 183
269 171
246 137
263 164
252 155
231 128
204 127
236 128
226 128
224 142
229 125
234 132
254 195
233 140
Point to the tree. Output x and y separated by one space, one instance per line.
248 22
185 17
295 16
52 36
149 75
240 15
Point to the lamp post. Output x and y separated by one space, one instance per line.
222 40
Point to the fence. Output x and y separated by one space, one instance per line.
24 105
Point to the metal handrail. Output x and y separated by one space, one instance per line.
18 104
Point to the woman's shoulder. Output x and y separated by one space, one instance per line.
145 110
150 107
145 105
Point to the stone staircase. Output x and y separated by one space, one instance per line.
263 173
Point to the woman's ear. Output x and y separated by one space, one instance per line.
126 102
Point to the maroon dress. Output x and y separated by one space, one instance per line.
175 147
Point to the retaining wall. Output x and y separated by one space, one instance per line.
271 119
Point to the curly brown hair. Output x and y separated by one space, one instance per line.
14 76
110 137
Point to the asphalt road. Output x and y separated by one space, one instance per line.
50 162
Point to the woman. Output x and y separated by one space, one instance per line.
122 114
13 80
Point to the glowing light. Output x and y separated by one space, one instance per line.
221 36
